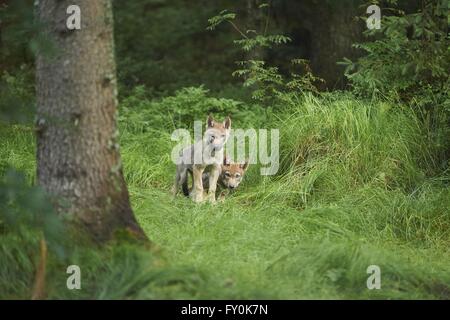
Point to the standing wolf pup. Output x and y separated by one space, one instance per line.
205 155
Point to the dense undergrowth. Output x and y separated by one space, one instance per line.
357 186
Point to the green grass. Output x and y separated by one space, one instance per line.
357 186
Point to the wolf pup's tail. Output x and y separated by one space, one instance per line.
185 188
184 183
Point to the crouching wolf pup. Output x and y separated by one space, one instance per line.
205 155
231 175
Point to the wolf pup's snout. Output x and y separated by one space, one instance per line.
232 174
217 133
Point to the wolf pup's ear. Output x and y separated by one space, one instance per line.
227 123
210 121
226 161
244 165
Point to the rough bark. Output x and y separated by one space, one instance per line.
78 157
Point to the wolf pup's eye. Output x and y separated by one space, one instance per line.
227 174
238 175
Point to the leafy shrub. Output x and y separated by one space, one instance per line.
24 207
408 60
138 112
266 81
408 57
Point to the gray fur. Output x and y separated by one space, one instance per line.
205 156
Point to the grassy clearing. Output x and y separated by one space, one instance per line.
356 187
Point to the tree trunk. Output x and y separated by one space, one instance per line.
78 157
2 64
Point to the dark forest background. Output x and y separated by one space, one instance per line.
364 178
165 45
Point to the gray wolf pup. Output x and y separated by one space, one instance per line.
231 175
205 155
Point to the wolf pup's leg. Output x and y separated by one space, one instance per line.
197 190
213 177
184 183
176 183
180 177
